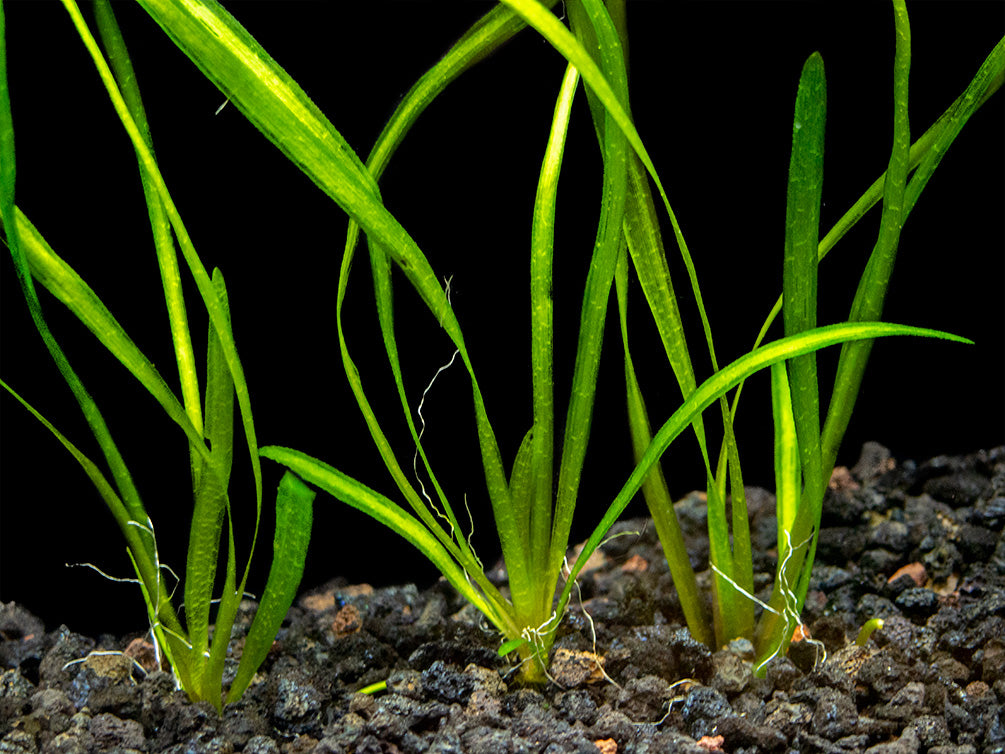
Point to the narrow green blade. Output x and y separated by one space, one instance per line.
597 293
294 514
788 477
167 258
654 488
799 268
210 485
217 316
65 284
359 496
542 339
871 292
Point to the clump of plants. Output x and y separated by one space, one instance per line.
533 496
205 413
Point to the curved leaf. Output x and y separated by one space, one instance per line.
718 385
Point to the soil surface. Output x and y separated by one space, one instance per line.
919 545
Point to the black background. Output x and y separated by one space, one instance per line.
712 91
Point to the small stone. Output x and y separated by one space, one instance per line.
918 602
878 561
52 702
835 716
143 653
694 660
960 489
873 606
703 709
405 682
444 682
993 661
931 730
112 665
711 743
486 679
782 673
261 745
570 668
840 544
347 621
15 691
905 705
989 513
18 742
907 744
885 672
744 734
952 669
295 700
975 543
731 673
112 733
644 699
890 535
635 564
577 704
606 745
873 461
841 479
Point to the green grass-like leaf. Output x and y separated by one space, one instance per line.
391 515
799 268
294 516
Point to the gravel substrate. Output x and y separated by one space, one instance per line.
918 545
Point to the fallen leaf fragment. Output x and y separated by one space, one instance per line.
802 632
915 570
606 745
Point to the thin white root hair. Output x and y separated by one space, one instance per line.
533 636
789 611
670 703
446 292
154 614
567 571
471 533
422 431
437 511
422 419
119 579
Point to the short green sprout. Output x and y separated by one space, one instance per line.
871 625
374 688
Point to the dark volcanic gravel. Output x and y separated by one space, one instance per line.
920 546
